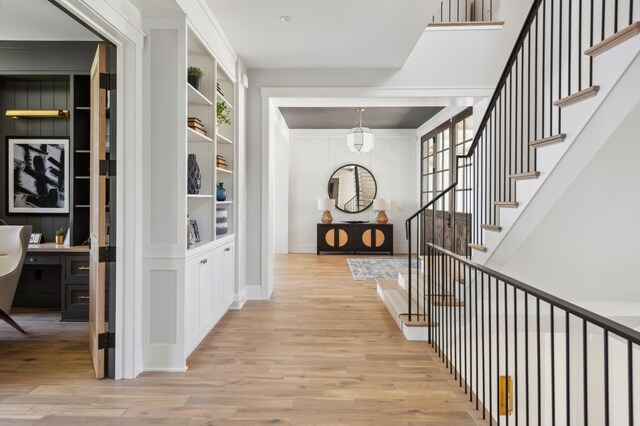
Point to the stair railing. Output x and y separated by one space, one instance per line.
547 65
456 11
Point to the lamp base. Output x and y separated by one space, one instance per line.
326 217
382 217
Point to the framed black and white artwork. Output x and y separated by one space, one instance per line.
38 180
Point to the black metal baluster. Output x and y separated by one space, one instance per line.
580 44
591 37
484 383
606 377
535 91
567 342
615 16
630 376
409 278
498 342
560 62
604 14
506 349
569 22
551 68
490 357
553 367
538 361
585 369
526 355
544 71
515 346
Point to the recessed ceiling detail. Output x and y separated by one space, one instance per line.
323 34
345 118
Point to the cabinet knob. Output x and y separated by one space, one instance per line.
83 268
203 261
227 249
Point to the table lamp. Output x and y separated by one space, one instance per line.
380 205
326 204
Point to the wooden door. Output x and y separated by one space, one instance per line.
447 222
98 189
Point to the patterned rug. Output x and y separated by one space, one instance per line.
370 268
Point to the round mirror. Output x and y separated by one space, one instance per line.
353 187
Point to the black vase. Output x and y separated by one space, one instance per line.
194 176
194 81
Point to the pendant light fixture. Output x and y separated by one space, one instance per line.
360 138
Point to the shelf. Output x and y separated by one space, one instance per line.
83 151
224 100
83 206
224 170
224 202
195 98
193 136
199 196
83 108
224 139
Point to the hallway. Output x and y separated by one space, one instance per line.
323 350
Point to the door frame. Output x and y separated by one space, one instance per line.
122 31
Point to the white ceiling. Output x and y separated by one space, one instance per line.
323 34
39 20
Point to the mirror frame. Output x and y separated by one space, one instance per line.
374 181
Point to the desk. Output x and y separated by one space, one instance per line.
56 276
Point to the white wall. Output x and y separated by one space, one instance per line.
594 228
316 154
447 60
281 219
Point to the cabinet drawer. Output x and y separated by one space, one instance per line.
77 269
41 259
76 302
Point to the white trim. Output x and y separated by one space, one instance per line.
125 32
497 26
239 300
254 292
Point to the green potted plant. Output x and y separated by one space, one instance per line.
194 76
222 113
60 234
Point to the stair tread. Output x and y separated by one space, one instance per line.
508 204
577 97
417 320
526 175
490 227
614 40
548 140
478 247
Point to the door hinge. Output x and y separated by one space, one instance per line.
107 167
107 254
107 81
106 340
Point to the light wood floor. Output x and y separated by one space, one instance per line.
323 350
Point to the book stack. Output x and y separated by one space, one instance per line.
219 89
221 163
194 123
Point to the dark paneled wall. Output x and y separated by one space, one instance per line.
32 93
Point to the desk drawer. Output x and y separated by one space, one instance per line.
41 259
77 269
76 302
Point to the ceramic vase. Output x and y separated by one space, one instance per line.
221 192
194 176
222 224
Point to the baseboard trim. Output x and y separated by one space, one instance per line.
254 292
239 300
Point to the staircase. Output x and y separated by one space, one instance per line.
570 80
366 189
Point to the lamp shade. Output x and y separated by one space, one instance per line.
326 204
382 204
360 139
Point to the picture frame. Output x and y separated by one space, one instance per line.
35 238
38 175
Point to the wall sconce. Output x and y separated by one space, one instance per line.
37 113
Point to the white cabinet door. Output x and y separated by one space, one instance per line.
192 320
219 280
229 273
206 289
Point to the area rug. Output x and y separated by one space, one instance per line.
370 268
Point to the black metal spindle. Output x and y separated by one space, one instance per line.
538 361
569 33
544 71
526 356
475 313
606 377
409 278
585 376
579 53
630 379
567 334
553 366
551 44
591 37
484 382
498 341
615 16
506 348
515 346
490 355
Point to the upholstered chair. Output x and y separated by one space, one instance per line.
14 241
